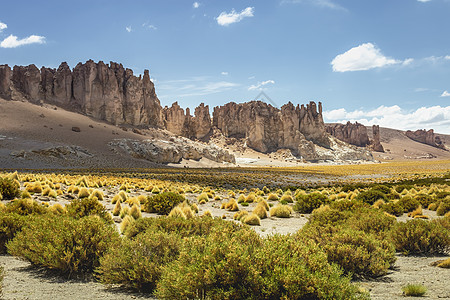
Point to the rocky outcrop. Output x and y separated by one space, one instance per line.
106 92
197 127
375 144
5 82
426 137
173 151
268 129
354 134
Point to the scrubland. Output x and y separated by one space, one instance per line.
322 232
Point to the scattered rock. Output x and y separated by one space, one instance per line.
76 129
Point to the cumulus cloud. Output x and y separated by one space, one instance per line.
434 117
363 57
149 26
260 85
12 41
224 73
195 5
225 19
445 94
3 26
424 1
128 28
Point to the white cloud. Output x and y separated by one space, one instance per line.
194 86
447 57
445 94
320 3
3 26
224 73
195 5
363 57
225 19
424 1
149 26
128 28
434 117
260 85
12 41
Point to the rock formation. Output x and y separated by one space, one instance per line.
106 92
375 144
354 134
426 137
112 93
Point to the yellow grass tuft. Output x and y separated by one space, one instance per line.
127 221
251 219
239 215
281 211
117 208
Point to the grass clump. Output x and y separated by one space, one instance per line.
414 290
9 188
408 203
281 211
63 243
272 197
251 219
162 203
444 206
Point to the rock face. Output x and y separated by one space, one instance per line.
268 129
106 92
426 137
354 134
112 93
375 144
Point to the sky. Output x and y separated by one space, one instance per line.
376 62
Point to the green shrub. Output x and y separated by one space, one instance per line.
424 199
382 188
210 269
444 207
347 205
185 228
162 203
138 263
371 196
63 243
9 189
79 208
328 217
25 207
307 203
421 237
401 187
408 203
393 208
295 270
357 252
414 290
10 225
371 221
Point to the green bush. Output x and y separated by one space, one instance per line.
162 203
393 208
444 207
25 207
63 243
414 290
371 196
209 269
299 270
328 217
10 225
421 237
408 203
9 188
307 203
371 221
79 208
347 205
357 252
382 188
401 187
424 199
139 262
185 228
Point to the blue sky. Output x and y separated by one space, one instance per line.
384 62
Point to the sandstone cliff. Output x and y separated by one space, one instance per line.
375 144
106 92
426 137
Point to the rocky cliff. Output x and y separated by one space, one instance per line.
426 137
106 92
355 134
112 93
